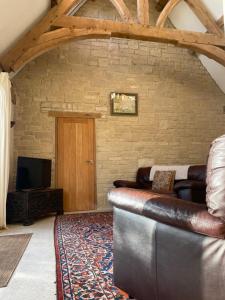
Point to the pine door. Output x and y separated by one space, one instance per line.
75 162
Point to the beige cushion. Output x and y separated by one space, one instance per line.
163 181
215 196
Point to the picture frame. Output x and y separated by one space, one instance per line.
124 104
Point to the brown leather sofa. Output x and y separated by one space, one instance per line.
191 189
166 248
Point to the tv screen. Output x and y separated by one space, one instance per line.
33 173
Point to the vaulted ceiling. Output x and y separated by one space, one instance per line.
51 27
183 17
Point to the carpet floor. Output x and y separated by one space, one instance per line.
84 257
12 248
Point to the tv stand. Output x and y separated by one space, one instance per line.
30 190
25 206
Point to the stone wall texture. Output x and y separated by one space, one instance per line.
180 106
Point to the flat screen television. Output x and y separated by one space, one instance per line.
33 173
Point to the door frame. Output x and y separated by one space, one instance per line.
80 115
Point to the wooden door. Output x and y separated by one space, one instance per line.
75 162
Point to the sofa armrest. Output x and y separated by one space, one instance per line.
189 216
126 183
190 184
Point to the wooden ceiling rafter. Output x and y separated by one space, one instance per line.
204 15
215 53
76 7
166 12
53 39
220 22
56 38
199 9
160 4
55 2
138 31
66 27
122 9
143 12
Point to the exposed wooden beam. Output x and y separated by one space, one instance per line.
75 8
53 39
138 31
143 11
160 4
204 15
220 22
212 52
42 38
166 12
122 10
25 42
55 2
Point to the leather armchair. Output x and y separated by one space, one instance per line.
171 249
191 189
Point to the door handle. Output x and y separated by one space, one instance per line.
90 161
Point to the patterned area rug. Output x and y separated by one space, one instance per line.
84 257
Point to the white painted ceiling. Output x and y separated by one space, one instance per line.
16 16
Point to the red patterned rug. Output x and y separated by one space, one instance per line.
84 257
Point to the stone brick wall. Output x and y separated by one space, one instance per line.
180 106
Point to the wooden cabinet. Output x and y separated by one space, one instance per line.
25 206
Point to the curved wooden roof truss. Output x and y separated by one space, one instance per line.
60 25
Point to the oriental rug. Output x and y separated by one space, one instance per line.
12 248
84 257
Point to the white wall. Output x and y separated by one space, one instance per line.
182 17
16 17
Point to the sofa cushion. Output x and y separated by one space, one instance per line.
215 192
181 171
163 181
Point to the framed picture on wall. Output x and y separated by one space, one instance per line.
124 104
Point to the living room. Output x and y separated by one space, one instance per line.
179 109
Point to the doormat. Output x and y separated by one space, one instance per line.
12 248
